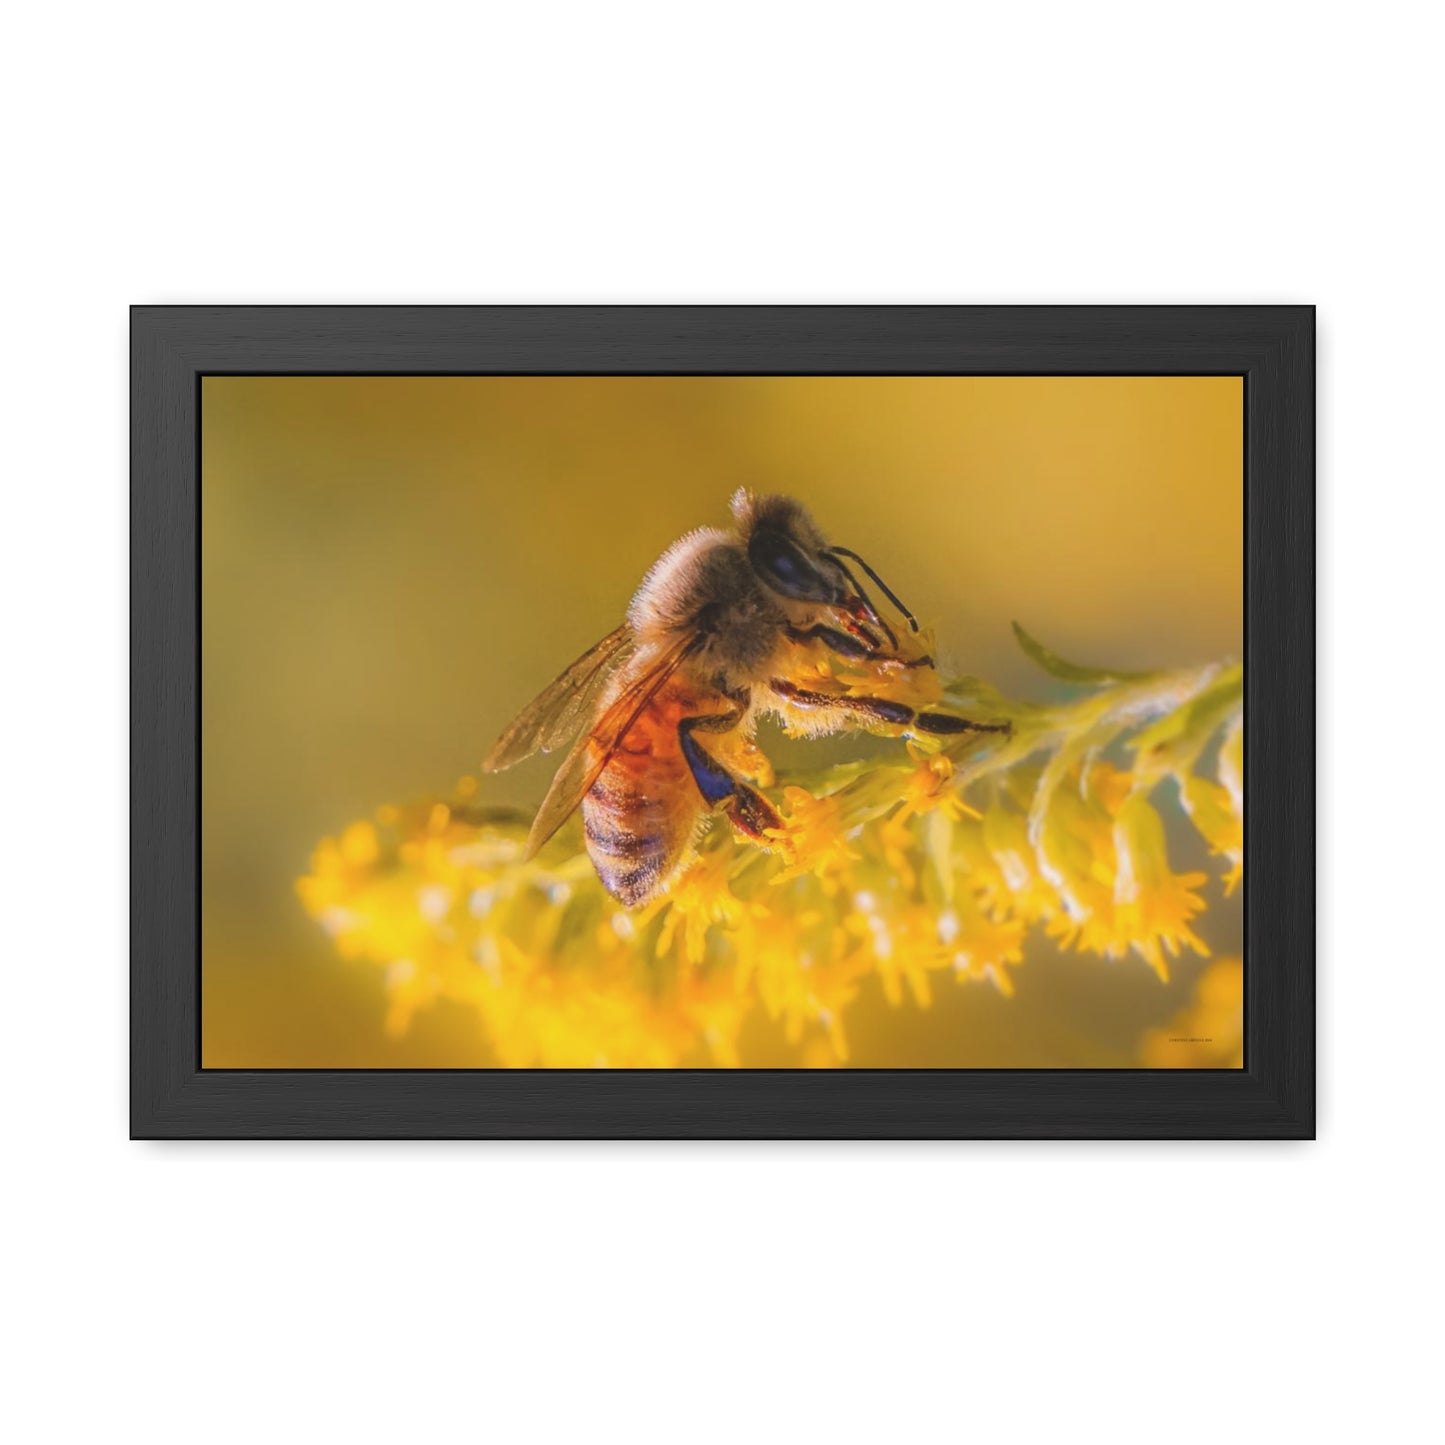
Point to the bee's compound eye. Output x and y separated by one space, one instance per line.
783 567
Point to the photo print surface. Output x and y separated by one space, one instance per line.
688 722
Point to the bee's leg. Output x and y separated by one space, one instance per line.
884 710
750 812
943 723
831 637
843 644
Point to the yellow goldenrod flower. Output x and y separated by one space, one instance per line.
1211 809
814 839
901 944
941 859
1005 866
698 900
980 945
1152 905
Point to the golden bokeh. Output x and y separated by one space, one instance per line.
391 567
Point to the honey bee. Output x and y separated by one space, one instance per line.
726 626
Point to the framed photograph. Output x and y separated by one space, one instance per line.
722 722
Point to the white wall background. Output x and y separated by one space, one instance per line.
748 152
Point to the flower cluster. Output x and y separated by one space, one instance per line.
923 869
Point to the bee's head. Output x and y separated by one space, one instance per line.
786 549
792 558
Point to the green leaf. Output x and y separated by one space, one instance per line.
1055 665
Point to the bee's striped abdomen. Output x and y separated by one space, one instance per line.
641 814
632 865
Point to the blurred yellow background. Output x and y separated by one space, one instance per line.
392 567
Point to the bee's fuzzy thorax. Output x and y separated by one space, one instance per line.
706 573
665 601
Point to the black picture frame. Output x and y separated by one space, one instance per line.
1271 347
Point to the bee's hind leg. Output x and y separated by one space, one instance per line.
747 809
752 814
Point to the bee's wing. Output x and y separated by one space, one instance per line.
594 749
556 713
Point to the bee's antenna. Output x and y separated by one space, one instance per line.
873 614
888 592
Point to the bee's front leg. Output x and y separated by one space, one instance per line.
874 710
